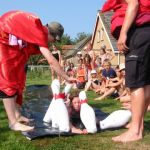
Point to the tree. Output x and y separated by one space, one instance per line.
81 36
33 60
66 40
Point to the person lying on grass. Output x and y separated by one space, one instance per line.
109 121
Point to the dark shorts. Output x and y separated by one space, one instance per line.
4 95
96 82
138 59
80 85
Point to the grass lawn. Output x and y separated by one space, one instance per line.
10 140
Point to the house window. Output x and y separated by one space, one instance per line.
100 37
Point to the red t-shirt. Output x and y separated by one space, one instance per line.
28 28
119 7
81 74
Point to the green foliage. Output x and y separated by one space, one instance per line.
38 76
81 36
66 40
33 60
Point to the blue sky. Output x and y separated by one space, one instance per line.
75 15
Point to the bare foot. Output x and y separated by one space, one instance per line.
99 98
20 127
23 119
128 136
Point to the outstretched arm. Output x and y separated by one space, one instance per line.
54 63
78 131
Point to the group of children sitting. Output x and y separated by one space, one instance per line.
105 81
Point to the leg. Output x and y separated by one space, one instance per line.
148 108
98 90
147 102
59 78
138 107
20 118
88 84
125 99
126 105
107 93
95 86
147 95
137 72
10 107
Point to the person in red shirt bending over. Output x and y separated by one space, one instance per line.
130 25
21 35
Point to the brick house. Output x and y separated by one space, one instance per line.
101 36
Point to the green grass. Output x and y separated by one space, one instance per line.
10 140
37 77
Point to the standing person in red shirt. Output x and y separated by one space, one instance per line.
130 25
21 35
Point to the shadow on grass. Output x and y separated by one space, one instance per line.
147 125
5 129
2 112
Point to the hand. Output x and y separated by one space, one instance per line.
72 80
78 131
121 44
84 131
